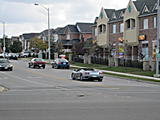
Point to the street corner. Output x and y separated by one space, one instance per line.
3 89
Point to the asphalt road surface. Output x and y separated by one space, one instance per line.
50 94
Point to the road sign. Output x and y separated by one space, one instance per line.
158 55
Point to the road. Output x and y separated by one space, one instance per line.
50 94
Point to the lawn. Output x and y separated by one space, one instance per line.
135 71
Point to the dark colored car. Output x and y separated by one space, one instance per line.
13 56
87 74
5 64
37 63
60 63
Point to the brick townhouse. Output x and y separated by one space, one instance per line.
70 34
131 32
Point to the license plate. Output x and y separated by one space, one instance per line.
40 65
94 76
64 63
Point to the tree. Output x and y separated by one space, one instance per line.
16 47
37 43
77 48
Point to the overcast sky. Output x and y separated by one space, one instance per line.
22 16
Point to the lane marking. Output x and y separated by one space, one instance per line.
17 77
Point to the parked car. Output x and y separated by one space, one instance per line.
37 63
5 64
60 63
25 54
4 55
13 56
87 74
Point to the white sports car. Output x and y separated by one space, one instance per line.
87 74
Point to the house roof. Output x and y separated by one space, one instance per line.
150 4
30 35
84 27
115 15
71 28
109 12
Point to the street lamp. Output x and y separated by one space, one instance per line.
4 42
158 38
49 38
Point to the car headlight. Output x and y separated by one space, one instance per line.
10 65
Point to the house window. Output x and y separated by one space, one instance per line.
128 25
121 27
104 28
145 24
100 29
68 36
114 28
133 23
155 22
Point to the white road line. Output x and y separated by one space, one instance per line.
34 82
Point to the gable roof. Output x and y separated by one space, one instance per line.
117 13
109 12
140 4
84 27
30 35
72 28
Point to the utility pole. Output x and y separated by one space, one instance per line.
158 38
49 33
4 42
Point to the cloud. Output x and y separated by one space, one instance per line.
22 15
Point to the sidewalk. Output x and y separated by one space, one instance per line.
125 74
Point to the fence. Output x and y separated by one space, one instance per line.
99 60
77 58
130 63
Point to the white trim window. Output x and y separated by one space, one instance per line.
145 24
155 22
68 36
114 28
121 27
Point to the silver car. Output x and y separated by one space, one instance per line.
5 65
87 74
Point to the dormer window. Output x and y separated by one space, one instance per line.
155 7
114 16
145 9
121 14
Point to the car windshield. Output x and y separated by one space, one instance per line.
88 69
4 61
38 59
63 60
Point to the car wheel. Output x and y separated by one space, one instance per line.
10 69
81 77
100 80
56 66
29 66
43 67
52 66
73 76
34 66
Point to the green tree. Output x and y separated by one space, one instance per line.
16 47
37 43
